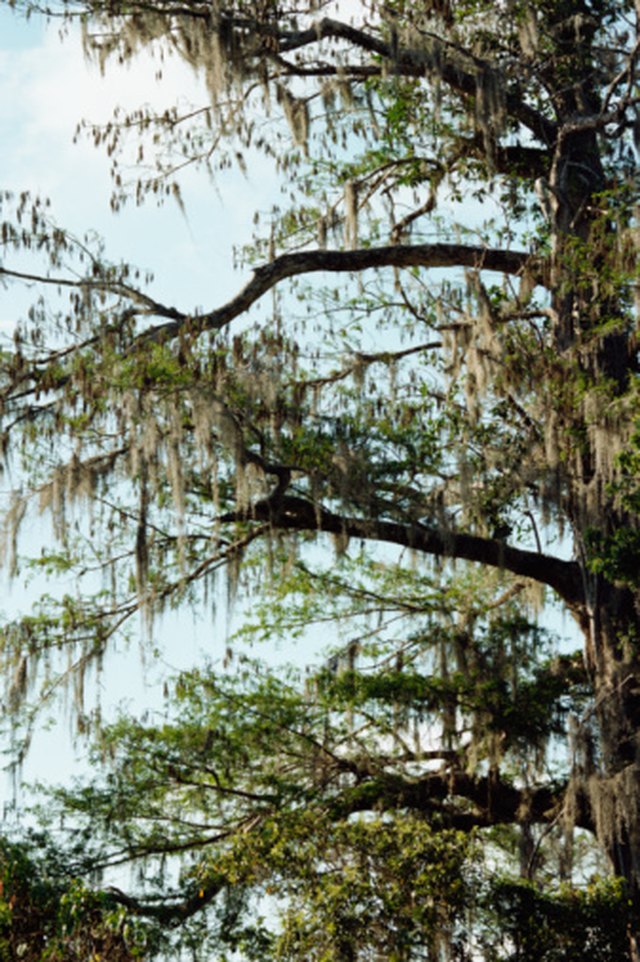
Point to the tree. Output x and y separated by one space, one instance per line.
42 917
493 436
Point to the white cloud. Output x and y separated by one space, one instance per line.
45 90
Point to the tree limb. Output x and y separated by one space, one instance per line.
495 800
170 913
415 62
268 275
298 514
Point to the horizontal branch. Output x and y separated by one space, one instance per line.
595 122
268 275
417 62
104 285
494 800
170 913
297 514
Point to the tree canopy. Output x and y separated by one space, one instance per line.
414 431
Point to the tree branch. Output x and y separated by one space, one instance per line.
334 261
117 287
170 913
298 514
416 62
495 801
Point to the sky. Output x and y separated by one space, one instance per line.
46 87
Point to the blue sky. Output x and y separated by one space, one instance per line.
46 87
17 32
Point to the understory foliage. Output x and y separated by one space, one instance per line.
408 445
46 914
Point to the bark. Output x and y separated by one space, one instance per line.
612 628
298 514
614 662
338 261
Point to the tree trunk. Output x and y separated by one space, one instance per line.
582 249
614 783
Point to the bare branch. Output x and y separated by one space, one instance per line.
297 514
268 275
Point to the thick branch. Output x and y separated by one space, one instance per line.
297 514
268 275
526 162
353 261
495 801
171 913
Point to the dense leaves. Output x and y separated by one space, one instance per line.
46 916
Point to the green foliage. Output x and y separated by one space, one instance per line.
393 887
566 925
616 556
47 916
447 389
302 832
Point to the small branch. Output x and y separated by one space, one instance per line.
118 288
